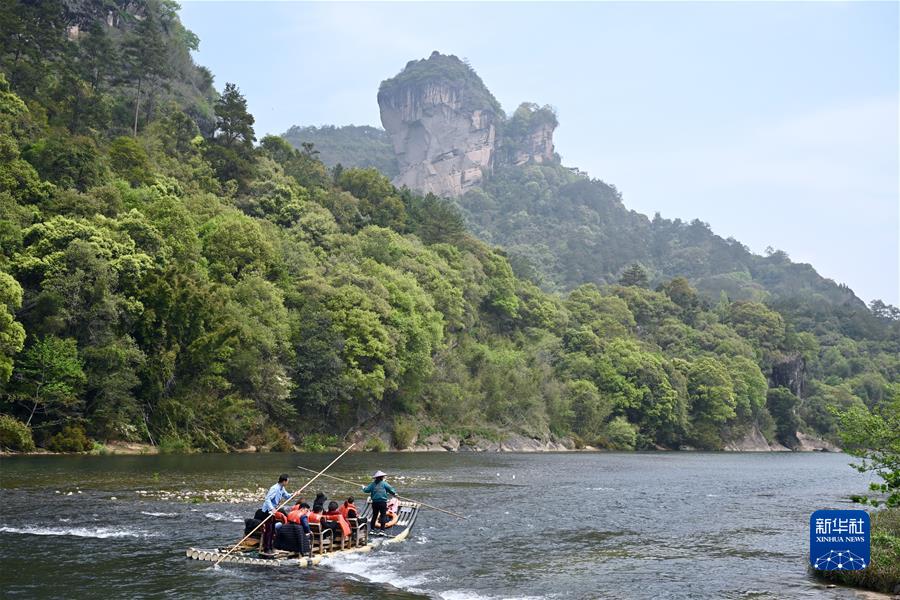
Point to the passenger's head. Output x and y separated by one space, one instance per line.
283 478
332 506
350 500
304 505
320 497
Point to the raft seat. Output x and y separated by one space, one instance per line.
322 540
360 531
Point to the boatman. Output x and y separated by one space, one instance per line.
380 490
275 496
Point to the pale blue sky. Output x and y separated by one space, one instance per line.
777 123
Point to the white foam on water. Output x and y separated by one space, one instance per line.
158 514
376 569
224 517
85 532
470 595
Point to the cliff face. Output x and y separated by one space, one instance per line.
444 125
442 145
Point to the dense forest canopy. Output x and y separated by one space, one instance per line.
168 278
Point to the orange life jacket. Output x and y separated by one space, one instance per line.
339 518
295 516
314 517
280 516
346 508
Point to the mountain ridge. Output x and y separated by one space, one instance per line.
561 227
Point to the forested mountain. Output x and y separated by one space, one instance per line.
166 278
350 146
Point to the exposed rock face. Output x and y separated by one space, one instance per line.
754 441
441 146
444 126
790 373
537 146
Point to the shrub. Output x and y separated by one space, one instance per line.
175 444
129 160
376 444
15 435
71 439
620 434
317 442
404 433
279 441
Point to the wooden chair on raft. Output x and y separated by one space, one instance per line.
322 539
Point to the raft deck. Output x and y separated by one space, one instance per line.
249 555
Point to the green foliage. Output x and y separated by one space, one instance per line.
634 275
128 159
181 287
620 434
72 438
403 433
875 438
782 405
350 146
48 378
442 68
15 435
376 444
318 442
12 334
73 162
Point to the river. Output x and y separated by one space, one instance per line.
554 525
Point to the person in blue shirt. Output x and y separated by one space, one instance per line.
275 496
380 490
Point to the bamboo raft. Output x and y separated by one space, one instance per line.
249 554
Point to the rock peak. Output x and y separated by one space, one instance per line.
445 126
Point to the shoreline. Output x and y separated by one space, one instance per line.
134 449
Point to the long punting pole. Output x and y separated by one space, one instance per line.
271 514
400 497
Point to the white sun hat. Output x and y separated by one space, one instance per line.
379 474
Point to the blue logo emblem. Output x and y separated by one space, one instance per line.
839 540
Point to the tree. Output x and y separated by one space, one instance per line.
231 150
782 405
588 407
234 125
12 334
875 438
49 376
144 52
635 275
711 391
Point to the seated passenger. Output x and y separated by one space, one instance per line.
335 520
319 502
300 516
348 509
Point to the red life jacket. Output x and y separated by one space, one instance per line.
346 508
295 516
280 516
337 516
313 517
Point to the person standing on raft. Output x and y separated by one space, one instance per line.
275 496
380 490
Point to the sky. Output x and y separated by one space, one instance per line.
776 123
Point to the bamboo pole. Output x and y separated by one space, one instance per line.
397 495
277 508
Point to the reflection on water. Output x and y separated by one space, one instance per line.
663 525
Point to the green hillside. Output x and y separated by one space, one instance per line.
169 280
349 146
